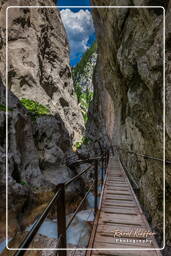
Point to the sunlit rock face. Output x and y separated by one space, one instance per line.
38 70
128 85
84 78
38 62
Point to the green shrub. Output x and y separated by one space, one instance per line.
35 108
24 183
84 97
3 108
81 65
85 100
84 141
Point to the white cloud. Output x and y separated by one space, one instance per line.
79 27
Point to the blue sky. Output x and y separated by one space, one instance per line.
73 2
79 27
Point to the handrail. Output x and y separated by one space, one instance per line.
59 200
79 206
142 155
100 146
35 228
84 161
77 176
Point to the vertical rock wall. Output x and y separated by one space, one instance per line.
128 85
38 57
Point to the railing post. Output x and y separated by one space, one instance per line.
112 148
108 155
105 161
102 171
61 220
96 188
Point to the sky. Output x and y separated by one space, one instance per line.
79 27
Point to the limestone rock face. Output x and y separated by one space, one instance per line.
35 163
52 140
84 78
38 60
23 163
128 84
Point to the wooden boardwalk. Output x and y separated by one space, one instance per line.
119 211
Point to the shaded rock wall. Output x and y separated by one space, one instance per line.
38 56
23 162
128 84
35 163
38 70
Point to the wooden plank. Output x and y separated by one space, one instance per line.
92 237
120 210
122 228
117 188
123 218
123 253
138 205
123 242
104 246
117 184
119 175
118 203
128 252
116 192
113 178
121 222
118 197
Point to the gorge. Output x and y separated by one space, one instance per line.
44 115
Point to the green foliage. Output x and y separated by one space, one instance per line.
35 108
81 65
84 97
85 100
24 183
3 108
78 91
77 144
84 141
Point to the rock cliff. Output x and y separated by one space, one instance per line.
39 71
83 72
128 100
38 60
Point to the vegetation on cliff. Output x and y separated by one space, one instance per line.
35 108
82 77
3 108
82 64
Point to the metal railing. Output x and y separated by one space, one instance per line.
145 156
59 202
